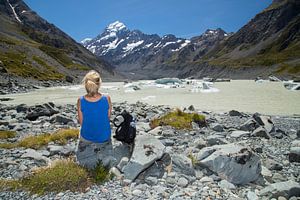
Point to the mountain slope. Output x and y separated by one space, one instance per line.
271 39
31 47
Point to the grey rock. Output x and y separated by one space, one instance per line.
295 143
31 153
264 121
249 125
200 143
61 119
235 163
261 132
182 182
182 165
123 162
238 134
146 151
151 180
61 150
251 196
294 155
226 185
286 189
234 113
155 131
217 127
216 139
168 142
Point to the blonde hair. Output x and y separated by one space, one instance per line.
92 82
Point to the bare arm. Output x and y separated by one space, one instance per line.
79 112
110 106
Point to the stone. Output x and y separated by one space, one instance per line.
182 182
294 154
151 180
217 127
31 153
168 142
60 119
191 108
216 139
249 125
137 192
298 134
142 126
200 143
37 111
264 121
251 196
226 185
69 79
233 162
261 132
155 131
285 189
266 172
123 162
147 150
281 198
234 113
61 150
116 172
295 143
206 179
238 134
182 165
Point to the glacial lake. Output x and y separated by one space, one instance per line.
242 95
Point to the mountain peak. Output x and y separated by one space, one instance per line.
115 26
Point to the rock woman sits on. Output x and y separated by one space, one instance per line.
94 111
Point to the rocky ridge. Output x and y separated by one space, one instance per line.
188 164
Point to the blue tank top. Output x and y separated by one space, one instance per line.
95 124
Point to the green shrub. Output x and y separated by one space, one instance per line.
36 142
60 176
179 120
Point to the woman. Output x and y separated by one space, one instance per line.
94 111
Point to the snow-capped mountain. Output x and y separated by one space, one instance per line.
134 51
119 44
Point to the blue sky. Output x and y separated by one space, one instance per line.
183 18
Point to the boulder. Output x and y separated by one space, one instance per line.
46 109
249 125
234 113
264 121
182 165
286 189
217 127
294 155
33 154
61 119
61 150
233 162
261 132
238 134
216 139
69 79
147 150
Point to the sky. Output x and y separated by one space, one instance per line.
184 18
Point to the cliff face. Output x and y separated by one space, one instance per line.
31 47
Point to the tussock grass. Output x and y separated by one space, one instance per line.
7 134
193 159
179 120
36 142
61 176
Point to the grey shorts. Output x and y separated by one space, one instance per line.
88 153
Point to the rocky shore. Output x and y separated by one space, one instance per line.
236 156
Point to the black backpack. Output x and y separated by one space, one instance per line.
126 130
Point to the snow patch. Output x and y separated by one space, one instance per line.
85 40
110 35
116 26
13 9
131 46
148 45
